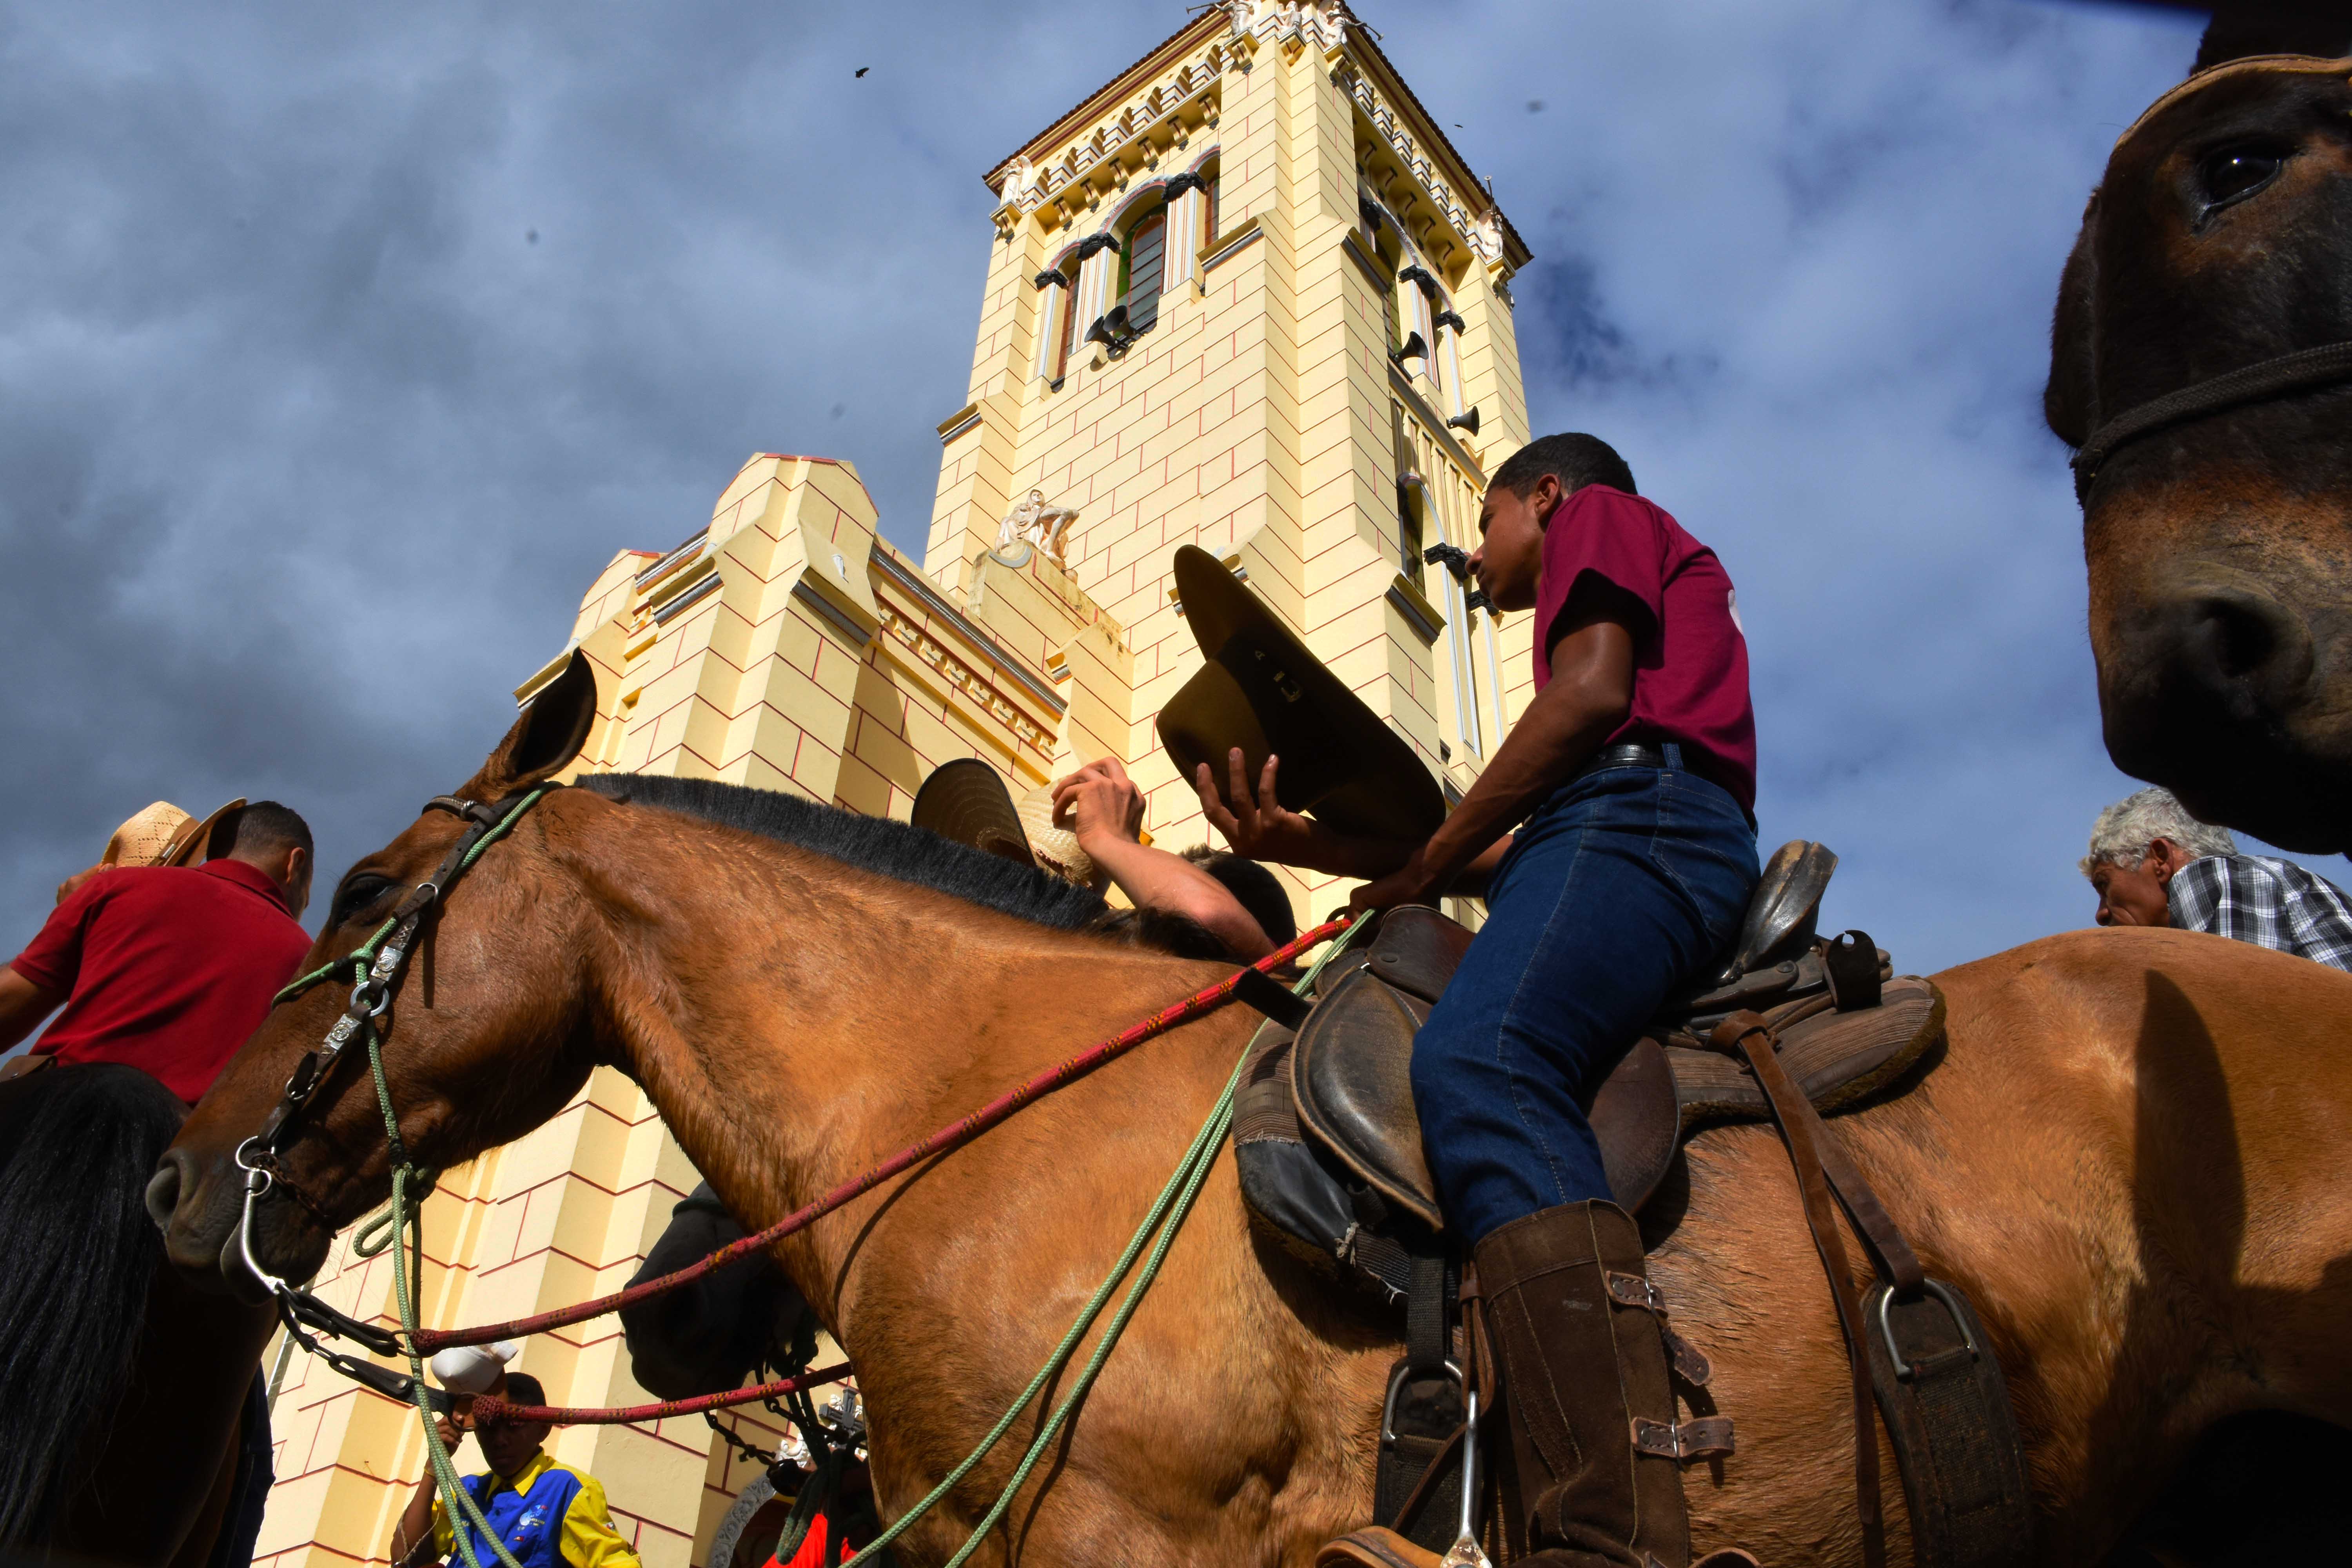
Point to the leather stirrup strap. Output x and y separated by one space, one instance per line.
1802 1131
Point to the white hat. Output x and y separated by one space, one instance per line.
474 1369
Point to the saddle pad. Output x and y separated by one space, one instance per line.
1351 1085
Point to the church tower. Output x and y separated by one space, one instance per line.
1244 296
1247 296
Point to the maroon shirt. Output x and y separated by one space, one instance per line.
167 968
1690 657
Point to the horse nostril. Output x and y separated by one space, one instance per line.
2245 648
2243 639
163 1192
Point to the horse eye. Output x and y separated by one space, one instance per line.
358 894
2235 172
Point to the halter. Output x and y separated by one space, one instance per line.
2264 381
375 967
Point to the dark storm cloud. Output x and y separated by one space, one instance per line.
309 448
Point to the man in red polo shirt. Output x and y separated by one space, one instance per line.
169 968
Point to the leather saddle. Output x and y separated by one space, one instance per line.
1324 1131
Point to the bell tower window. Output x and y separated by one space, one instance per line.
1144 263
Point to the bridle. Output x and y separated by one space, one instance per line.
376 967
2264 381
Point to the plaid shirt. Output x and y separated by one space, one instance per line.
2271 903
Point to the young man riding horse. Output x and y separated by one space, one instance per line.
1611 837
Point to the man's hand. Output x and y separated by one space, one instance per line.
1100 800
1255 824
1415 882
72 885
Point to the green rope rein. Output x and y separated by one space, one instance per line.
378 1235
1173 1204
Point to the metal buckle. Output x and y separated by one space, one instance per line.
1942 1293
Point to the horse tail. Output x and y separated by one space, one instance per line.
76 1146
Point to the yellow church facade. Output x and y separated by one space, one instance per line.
1244 296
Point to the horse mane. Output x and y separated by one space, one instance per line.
899 850
80 1144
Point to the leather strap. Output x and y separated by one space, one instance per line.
1279 1002
2328 364
1802 1130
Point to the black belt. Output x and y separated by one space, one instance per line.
1624 754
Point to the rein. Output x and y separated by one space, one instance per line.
376 968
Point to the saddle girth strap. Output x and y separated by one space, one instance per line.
1803 1130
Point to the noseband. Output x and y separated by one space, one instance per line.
2306 370
2283 375
375 967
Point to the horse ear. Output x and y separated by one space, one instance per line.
2273 28
2068 401
547 736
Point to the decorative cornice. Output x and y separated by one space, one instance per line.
1448 319
1182 92
1094 242
1483 229
956 424
935 605
1422 276
1050 276
1187 181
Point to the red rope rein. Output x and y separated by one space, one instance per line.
428 1340
489 1409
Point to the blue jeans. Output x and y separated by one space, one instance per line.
1623 887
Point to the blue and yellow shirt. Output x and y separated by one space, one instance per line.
549 1515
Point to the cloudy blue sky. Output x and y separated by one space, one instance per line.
341 346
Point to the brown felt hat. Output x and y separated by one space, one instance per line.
1263 691
966 800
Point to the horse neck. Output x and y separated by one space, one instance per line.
796 1022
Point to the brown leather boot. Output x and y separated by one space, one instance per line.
1584 1390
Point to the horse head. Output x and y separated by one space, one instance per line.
492 1027
2220 535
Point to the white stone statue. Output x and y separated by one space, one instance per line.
1031 522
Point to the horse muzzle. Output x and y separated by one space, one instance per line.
200 1229
2212 686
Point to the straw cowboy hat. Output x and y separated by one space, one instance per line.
1263 691
966 800
164 835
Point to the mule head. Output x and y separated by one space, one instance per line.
487 1037
2220 547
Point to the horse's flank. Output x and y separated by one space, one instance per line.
2121 1120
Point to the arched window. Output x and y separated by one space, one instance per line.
1070 329
1142 268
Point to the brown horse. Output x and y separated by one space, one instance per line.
2135 1158
2220 544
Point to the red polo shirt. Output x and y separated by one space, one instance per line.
167 968
1690 656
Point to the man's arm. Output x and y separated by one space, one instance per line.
1257 825
1105 810
422 1534
1588 698
23 1005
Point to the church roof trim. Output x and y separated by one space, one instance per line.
1208 21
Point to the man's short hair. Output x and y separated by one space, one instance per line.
2125 831
263 828
1257 889
524 1389
1578 460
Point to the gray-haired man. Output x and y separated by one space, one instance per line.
2155 865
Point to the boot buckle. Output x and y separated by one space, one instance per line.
1704 1438
1633 1290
